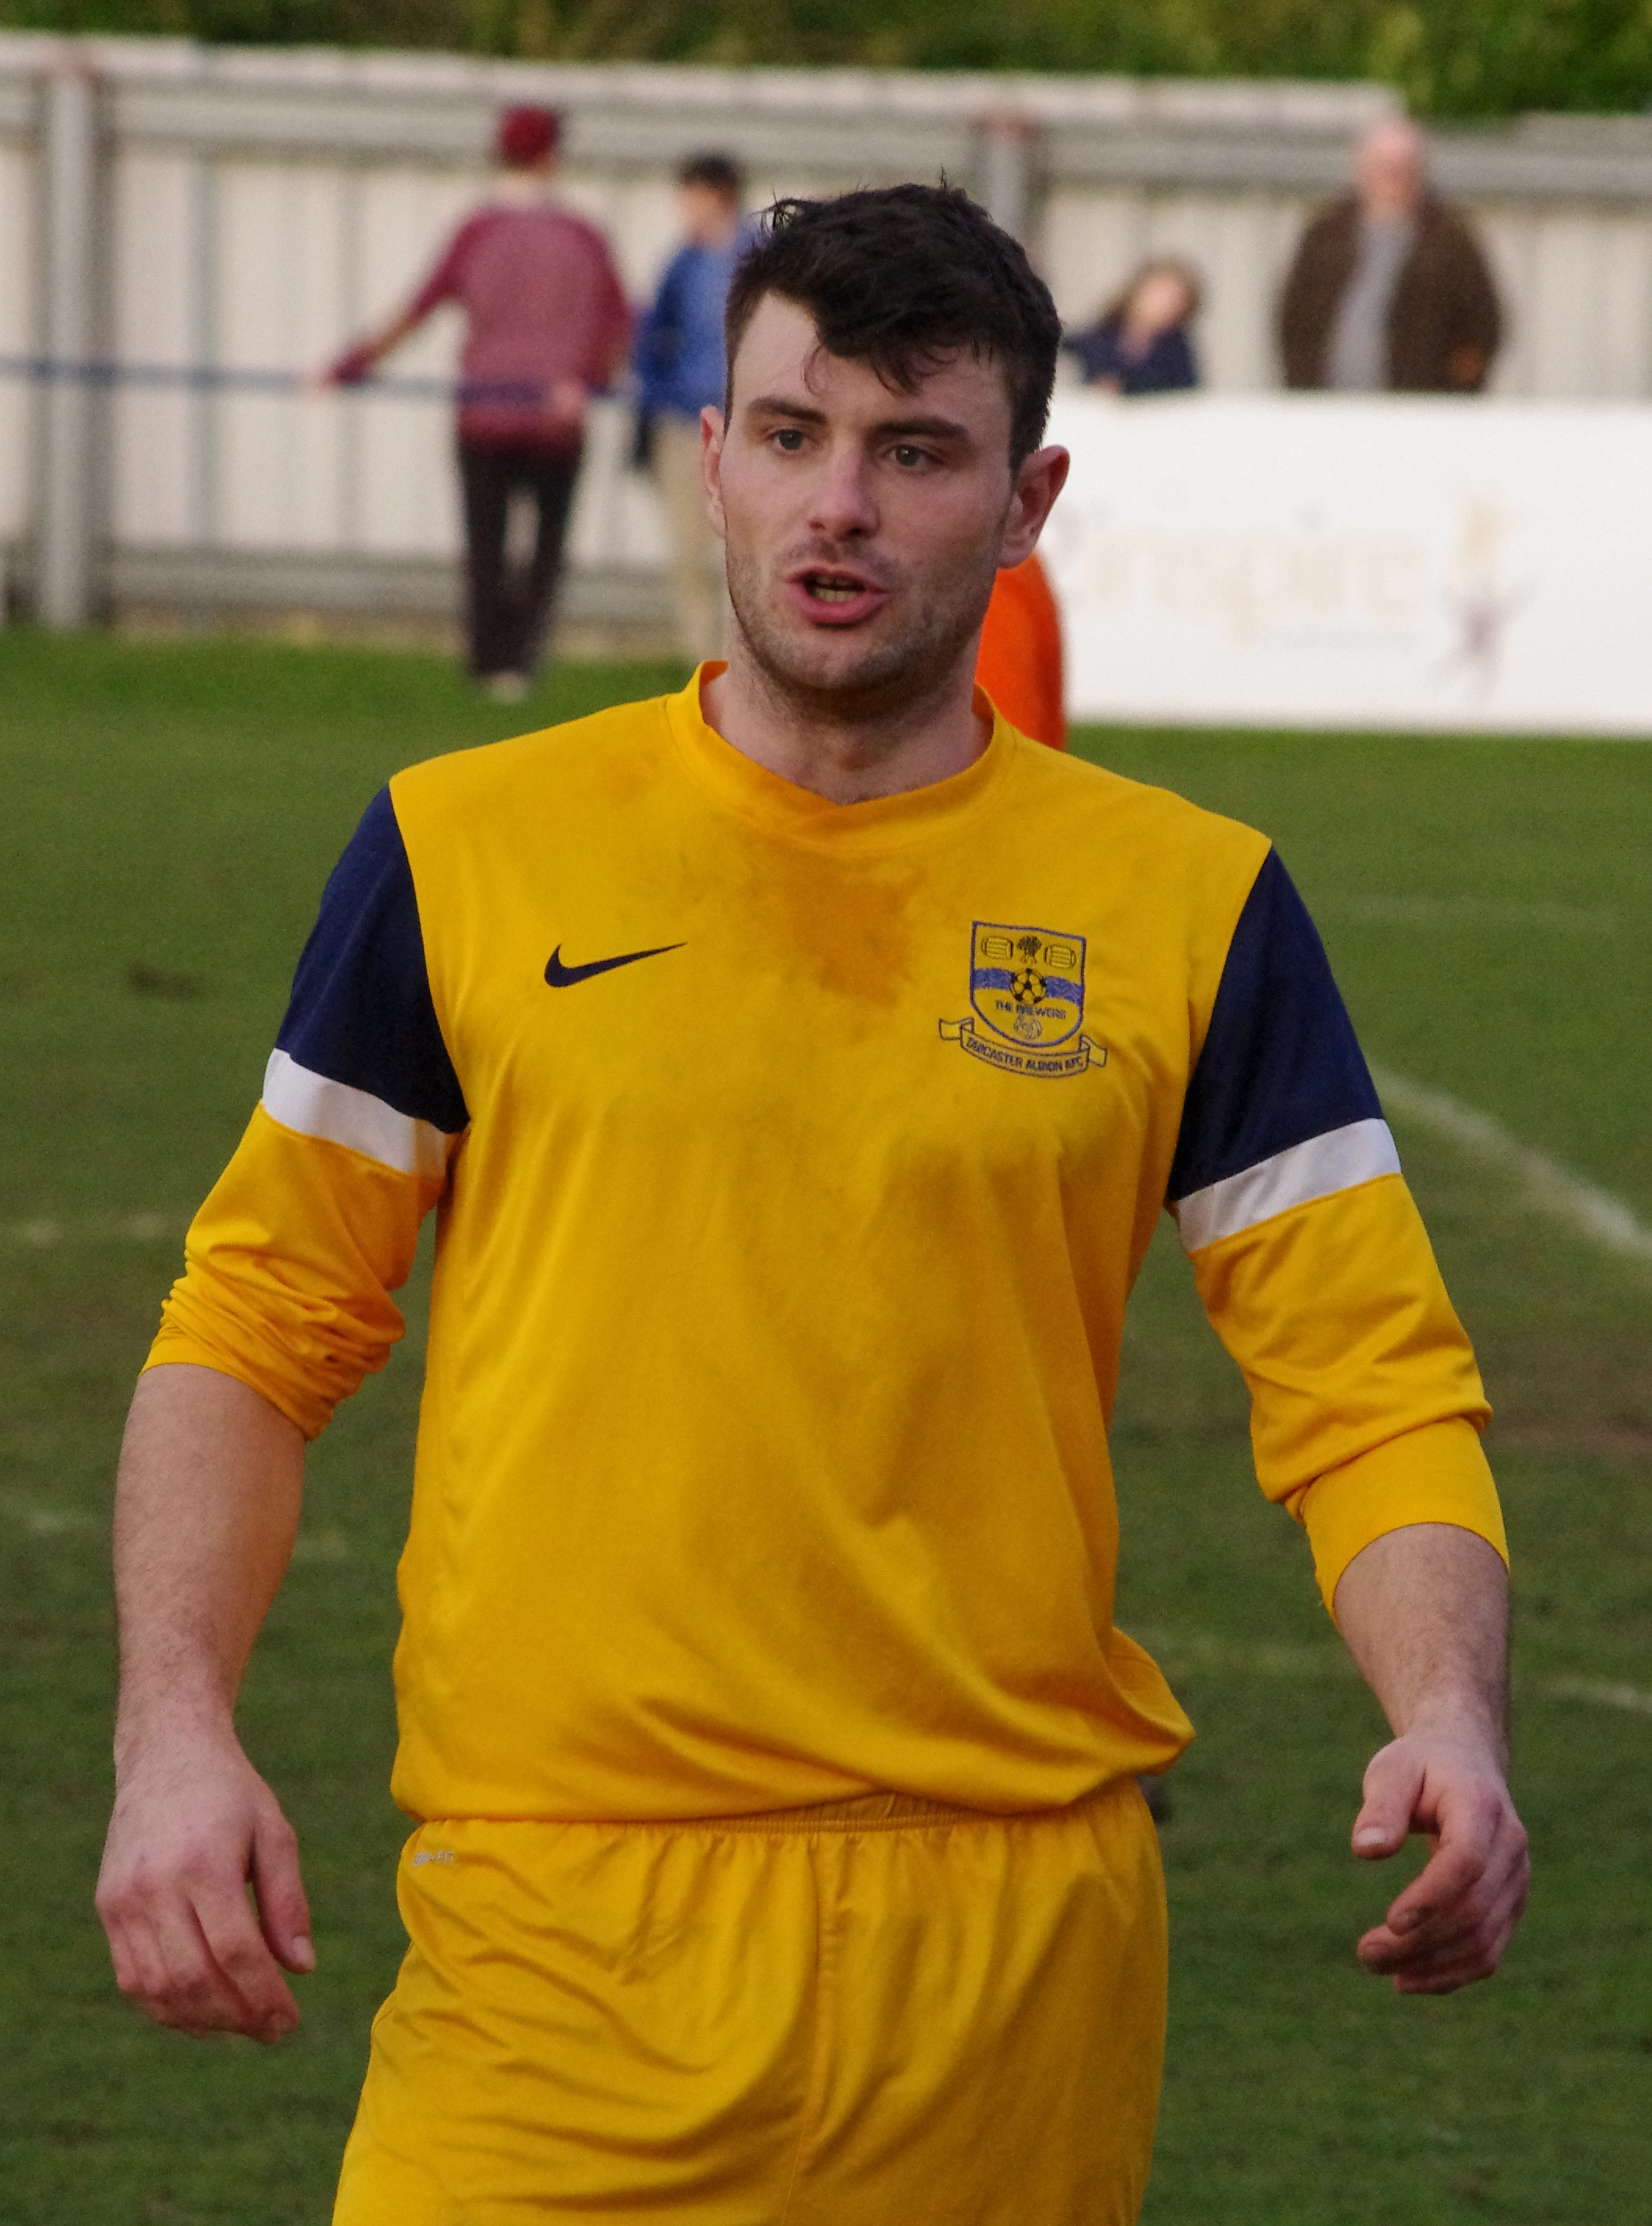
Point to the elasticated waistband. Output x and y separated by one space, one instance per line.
868 1812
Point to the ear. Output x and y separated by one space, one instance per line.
711 449
1039 481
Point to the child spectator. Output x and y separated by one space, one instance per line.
1139 344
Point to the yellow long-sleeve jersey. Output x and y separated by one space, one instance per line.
792 1163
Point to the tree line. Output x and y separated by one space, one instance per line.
1450 58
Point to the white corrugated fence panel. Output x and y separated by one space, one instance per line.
1626 305
278 276
153 279
19 290
264 208
408 504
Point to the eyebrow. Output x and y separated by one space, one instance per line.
932 429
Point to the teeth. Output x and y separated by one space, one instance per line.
833 591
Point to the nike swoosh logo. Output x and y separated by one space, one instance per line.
563 978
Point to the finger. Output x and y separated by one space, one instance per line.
1460 1964
205 1951
139 1972
1478 1930
278 1885
123 1950
1477 1915
160 1959
1477 1954
1385 1956
243 1964
1444 1980
1479 1861
184 1984
1393 1783
1452 1874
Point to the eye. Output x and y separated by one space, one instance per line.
789 438
909 456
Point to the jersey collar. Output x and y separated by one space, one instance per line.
742 784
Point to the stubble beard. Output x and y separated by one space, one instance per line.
896 670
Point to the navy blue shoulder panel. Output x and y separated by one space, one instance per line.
361 1011
1280 1063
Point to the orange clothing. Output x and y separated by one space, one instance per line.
1019 666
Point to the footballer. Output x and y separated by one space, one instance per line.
797 1067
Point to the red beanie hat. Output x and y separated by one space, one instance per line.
527 134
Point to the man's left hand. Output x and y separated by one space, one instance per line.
1452 1924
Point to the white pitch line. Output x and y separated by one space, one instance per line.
1599 1695
42 1521
41 1236
1470 911
1184 1650
1554 1189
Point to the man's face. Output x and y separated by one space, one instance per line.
1388 173
708 217
864 524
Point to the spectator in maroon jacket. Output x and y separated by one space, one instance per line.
548 325
1389 291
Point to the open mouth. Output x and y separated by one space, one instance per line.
833 588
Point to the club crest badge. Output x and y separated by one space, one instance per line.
1026 986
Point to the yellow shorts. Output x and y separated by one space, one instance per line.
878 2013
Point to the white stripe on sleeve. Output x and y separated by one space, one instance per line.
340 1115
1336 1161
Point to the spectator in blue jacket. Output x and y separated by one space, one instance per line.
1140 344
680 371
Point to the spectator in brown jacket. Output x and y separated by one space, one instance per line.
1389 291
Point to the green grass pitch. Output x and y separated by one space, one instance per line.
169 813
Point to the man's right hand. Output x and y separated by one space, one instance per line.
193 1825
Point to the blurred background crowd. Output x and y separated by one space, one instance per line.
370 341
1388 291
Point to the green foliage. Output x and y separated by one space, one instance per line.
1450 58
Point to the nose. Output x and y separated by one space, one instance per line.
842 506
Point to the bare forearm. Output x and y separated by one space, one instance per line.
1425 1613
1425 1610
207 1508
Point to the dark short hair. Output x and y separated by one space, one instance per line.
525 135
903 277
721 172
